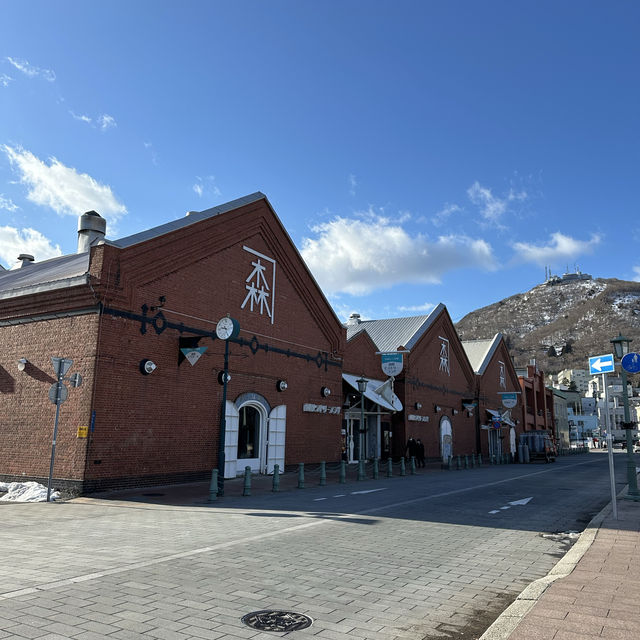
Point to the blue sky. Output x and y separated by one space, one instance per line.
417 152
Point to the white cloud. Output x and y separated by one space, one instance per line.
103 122
30 71
492 208
62 188
206 185
443 215
5 80
7 204
82 118
560 248
352 184
418 308
357 256
14 241
636 277
106 121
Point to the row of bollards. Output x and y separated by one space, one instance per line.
461 462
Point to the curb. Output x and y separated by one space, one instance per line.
511 617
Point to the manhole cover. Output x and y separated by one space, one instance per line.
272 620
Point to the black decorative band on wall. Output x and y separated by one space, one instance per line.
416 383
159 324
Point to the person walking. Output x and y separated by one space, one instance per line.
411 449
420 453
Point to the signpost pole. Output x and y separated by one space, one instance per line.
612 475
55 437
223 421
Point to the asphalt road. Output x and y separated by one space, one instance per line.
436 555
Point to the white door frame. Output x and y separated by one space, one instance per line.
257 464
446 439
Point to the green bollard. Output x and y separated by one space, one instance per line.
479 459
361 473
412 468
343 472
458 463
449 459
301 475
213 486
376 470
403 467
473 460
246 490
389 467
466 462
276 478
323 474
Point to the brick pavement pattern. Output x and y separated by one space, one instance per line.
600 596
95 569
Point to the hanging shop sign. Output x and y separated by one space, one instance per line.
392 363
509 399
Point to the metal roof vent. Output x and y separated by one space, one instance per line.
26 259
354 319
92 227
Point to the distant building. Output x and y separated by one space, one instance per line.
579 376
566 277
537 400
611 411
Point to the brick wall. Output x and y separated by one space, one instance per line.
27 415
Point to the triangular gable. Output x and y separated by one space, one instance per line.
483 353
204 234
440 321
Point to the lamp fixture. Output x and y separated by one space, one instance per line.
147 366
621 345
418 405
437 408
362 384
281 385
161 301
223 377
455 412
325 392
22 364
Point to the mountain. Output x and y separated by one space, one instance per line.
561 322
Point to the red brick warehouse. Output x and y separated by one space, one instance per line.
117 304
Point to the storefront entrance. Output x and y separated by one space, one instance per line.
251 438
495 442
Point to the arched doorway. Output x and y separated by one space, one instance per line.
252 421
446 439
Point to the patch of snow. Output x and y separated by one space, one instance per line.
25 492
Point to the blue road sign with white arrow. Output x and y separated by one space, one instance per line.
601 364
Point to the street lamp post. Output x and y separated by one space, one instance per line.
362 387
621 346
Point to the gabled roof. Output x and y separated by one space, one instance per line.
55 273
191 218
72 269
389 334
480 352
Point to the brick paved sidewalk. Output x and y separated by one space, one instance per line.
589 594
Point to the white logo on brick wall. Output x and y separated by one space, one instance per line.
444 356
260 284
502 376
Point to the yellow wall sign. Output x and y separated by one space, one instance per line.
83 432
